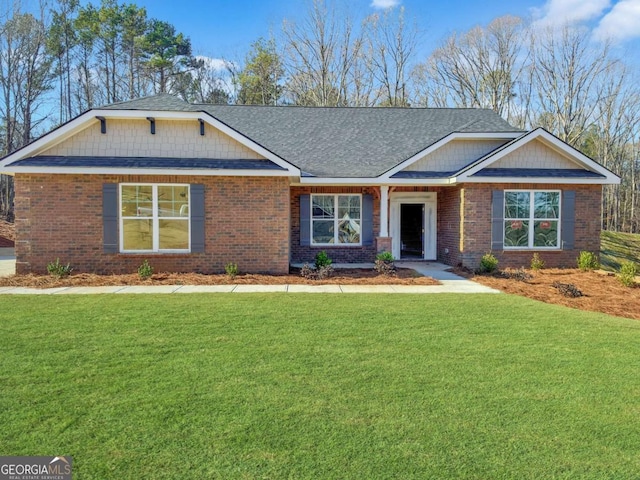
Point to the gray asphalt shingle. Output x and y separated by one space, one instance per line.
147 162
338 142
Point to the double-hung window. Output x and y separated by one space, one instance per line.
154 218
531 219
336 219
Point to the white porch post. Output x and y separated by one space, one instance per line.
384 210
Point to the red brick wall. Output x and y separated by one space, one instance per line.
476 226
449 225
306 254
247 222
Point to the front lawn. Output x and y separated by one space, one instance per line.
319 386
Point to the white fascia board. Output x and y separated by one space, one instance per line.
548 180
443 141
146 171
320 181
550 141
60 134
88 118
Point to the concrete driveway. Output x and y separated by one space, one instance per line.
7 262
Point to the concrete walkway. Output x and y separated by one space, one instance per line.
450 283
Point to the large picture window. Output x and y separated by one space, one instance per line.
336 219
531 219
154 218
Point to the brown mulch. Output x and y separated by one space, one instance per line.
602 291
352 276
7 234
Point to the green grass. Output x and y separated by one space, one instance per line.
617 248
320 386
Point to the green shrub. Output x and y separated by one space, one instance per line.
384 264
58 270
627 274
536 262
145 270
588 261
322 260
385 257
231 269
488 263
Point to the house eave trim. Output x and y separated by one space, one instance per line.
209 172
445 140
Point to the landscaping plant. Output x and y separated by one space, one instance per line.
145 270
588 261
384 264
58 270
536 262
627 274
231 269
488 263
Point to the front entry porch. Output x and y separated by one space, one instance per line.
413 225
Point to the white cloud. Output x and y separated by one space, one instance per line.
557 12
215 64
621 23
384 4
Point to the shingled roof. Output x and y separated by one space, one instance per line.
338 141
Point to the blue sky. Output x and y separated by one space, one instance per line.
227 28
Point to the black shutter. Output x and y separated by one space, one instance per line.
110 217
567 229
305 220
367 220
497 220
196 210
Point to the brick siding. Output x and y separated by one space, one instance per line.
247 222
306 254
476 226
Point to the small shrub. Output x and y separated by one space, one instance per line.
308 272
536 262
488 263
311 273
58 270
145 270
588 261
521 275
627 274
324 272
385 257
567 289
231 269
384 264
322 260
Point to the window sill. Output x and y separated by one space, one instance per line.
153 254
332 245
538 249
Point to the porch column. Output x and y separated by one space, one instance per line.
384 210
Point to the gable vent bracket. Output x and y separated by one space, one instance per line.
152 124
201 126
103 125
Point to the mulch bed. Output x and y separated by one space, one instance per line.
352 276
602 291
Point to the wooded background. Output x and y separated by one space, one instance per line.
67 58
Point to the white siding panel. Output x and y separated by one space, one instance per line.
455 155
534 154
173 138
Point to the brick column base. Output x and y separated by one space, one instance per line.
383 244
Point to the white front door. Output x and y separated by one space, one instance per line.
414 225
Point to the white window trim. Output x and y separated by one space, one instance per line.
335 220
532 219
154 218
